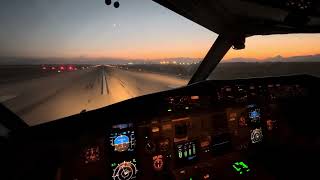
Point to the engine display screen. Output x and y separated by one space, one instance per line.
186 152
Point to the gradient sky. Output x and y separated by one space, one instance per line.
138 29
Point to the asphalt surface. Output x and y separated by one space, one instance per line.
52 97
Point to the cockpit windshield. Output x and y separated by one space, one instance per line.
64 57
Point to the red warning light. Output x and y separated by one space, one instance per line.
62 68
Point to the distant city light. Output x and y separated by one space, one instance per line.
175 62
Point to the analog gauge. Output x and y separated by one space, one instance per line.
150 147
158 162
125 171
164 145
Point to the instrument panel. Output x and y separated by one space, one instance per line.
194 131
217 132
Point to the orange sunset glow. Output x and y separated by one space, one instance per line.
259 47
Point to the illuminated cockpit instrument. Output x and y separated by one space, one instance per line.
241 167
124 171
123 141
256 135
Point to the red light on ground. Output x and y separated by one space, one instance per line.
70 68
44 68
62 68
53 68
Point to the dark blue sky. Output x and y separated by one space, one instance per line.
90 28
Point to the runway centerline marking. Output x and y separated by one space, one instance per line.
104 85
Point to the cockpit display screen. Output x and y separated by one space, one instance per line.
186 151
122 140
122 152
254 113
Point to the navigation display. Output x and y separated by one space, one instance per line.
256 135
125 170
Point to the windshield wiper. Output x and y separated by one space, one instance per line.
217 51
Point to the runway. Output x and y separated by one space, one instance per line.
55 96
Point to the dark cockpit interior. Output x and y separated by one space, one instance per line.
262 128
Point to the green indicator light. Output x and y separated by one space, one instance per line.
240 167
180 154
190 178
169 110
185 153
243 165
237 169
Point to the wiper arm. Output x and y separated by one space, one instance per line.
217 51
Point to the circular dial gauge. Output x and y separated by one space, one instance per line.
164 145
150 147
125 171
